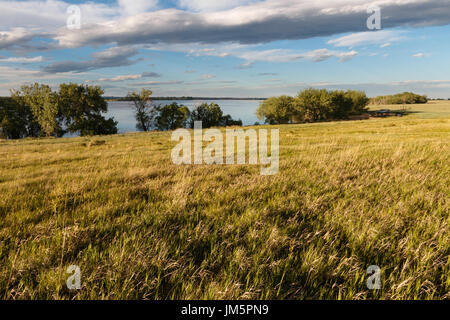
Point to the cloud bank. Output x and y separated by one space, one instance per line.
261 22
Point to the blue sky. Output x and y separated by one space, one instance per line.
228 48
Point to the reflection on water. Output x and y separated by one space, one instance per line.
244 110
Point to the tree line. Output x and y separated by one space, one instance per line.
312 105
173 116
38 111
400 98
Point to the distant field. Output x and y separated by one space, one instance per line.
433 109
348 195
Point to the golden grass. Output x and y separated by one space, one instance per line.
348 195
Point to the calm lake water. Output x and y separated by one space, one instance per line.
244 110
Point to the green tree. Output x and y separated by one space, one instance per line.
96 124
82 107
17 120
212 116
43 103
145 112
314 104
359 101
276 110
209 114
172 116
341 104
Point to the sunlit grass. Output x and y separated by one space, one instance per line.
348 195
432 110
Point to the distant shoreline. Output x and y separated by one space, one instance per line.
185 98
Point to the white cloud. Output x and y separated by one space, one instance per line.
423 83
122 78
22 59
212 5
324 54
253 53
382 37
51 14
246 65
202 51
13 77
421 55
158 83
16 36
134 7
283 55
262 22
131 77
129 22
8 73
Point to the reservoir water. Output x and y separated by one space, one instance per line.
244 110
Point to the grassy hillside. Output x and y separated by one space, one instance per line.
348 195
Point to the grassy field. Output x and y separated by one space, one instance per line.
348 195
432 110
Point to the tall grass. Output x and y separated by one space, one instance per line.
348 195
